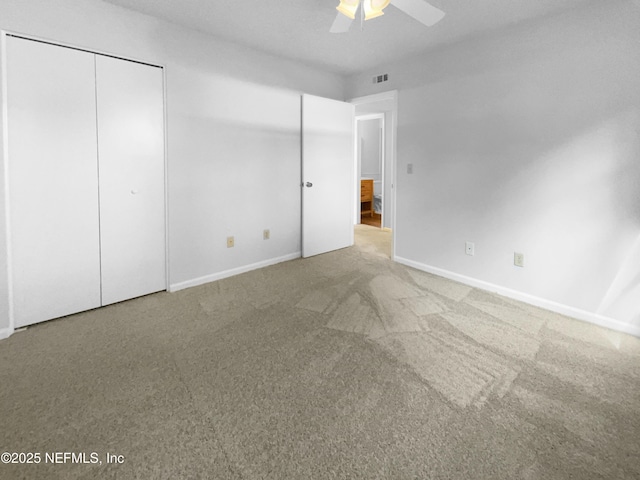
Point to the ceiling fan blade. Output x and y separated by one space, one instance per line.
420 10
341 24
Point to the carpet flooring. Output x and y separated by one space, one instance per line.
344 365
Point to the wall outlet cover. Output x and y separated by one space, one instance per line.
470 248
518 259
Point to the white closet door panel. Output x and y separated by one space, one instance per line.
53 180
131 165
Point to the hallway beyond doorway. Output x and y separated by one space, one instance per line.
373 239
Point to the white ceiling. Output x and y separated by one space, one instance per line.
299 29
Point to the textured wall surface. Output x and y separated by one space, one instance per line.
527 139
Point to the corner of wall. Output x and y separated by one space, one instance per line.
6 328
5 333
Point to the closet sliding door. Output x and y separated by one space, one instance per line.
53 180
131 163
86 179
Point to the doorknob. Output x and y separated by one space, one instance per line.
309 184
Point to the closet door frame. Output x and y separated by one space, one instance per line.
5 154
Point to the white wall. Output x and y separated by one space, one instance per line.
527 139
233 133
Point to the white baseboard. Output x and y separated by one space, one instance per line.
572 312
234 271
5 333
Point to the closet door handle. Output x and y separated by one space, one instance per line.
309 184
134 192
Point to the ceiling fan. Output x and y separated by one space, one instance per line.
419 9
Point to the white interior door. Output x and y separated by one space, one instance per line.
53 181
327 175
131 164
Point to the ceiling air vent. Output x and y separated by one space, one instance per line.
381 78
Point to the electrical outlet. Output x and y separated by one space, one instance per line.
518 259
266 234
470 248
230 242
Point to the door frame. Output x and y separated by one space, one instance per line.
4 333
386 103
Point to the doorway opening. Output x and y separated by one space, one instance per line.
376 118
370 169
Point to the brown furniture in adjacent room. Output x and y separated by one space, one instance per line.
366 197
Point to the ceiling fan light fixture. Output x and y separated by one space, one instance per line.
374 8
348 8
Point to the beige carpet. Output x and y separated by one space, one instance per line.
344 366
